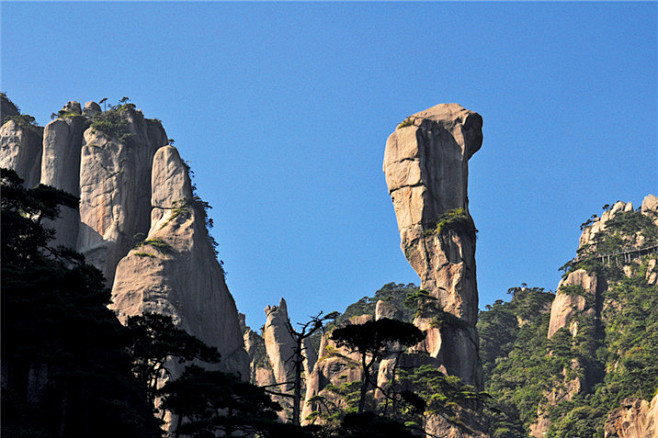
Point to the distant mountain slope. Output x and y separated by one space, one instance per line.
588 367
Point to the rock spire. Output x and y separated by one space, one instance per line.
426 168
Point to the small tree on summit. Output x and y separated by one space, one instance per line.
373 340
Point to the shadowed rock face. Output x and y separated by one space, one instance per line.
426 168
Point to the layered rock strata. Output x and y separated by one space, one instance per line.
426 168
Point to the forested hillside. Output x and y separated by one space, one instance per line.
558 366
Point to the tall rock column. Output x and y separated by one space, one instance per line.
20 150
60 167
175 271
115 187
426 168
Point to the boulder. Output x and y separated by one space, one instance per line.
91 109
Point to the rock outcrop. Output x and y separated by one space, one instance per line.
126 190
335 366
426 167
279 344
636 418
580 298
20 150
62 145
175 272
115 188
567 305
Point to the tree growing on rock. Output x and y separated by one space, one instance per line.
372 341
305 331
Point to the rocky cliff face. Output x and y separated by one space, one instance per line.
426 168
131 184
613 246
636 418
175 272
20 149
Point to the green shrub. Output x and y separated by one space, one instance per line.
457 220
25 121
406 122
156 243
113 123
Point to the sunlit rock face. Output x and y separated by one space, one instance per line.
636 418
175 271
426 168
115 189
132 187
20 150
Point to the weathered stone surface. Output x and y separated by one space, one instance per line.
651 428
636 418
72 107
115 191
261 372
335 365
178 273
60 164
649 204
91 109
566 306
385 309
279 344
426 168
20 150
7 108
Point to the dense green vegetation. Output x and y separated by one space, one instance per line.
575 380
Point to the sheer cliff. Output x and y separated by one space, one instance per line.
138 220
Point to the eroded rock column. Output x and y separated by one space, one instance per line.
426 167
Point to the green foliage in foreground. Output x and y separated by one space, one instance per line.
56 324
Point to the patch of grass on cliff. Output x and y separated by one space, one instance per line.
457 220
113 122
156 243
409 121
144 254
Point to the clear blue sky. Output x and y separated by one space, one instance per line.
283 110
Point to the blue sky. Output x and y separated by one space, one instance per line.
283 110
